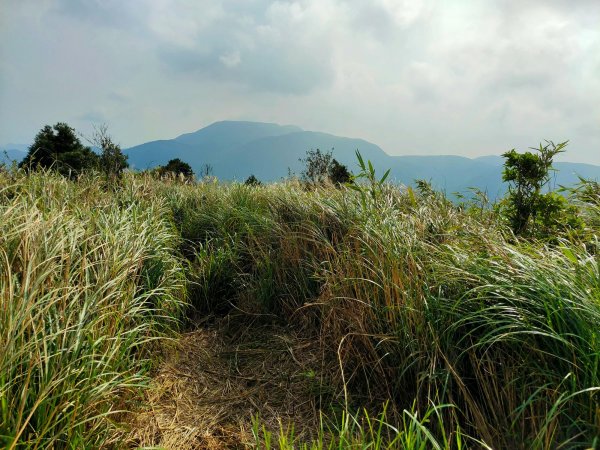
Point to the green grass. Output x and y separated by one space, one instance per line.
87 282
473 337
362 431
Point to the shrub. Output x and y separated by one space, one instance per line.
528 210
321 167
112 160
178 168
252 181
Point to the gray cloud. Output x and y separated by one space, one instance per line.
266 68
418 76
271 47
101 13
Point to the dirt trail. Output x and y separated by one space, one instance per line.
213 380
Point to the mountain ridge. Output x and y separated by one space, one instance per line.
235 150
238 149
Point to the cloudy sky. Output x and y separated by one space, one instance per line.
413 76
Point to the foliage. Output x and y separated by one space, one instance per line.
413 299
339 173
321 167
87 282
252 181
526 207
112 160
474 339
60 149
363 430
177 167
586 197
374 187
316 166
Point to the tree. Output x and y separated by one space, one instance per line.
525 206
320 167
316 166
339 173
60 149
252 181
177 167
112 160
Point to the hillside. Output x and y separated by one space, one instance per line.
237 149
151 313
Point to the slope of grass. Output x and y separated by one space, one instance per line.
471 336
415 300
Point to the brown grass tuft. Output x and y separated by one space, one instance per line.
214 380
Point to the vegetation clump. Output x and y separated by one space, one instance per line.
321 167
252 181
59 148
528 209
112 160
178 168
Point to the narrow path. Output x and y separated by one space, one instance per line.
215 379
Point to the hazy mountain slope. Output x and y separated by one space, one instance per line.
236 150
10 154
229 134
269 158
205 146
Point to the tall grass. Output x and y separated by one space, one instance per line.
436 308
362 430
87 281
416 300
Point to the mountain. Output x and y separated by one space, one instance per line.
210 145
12 152
236 150
228 134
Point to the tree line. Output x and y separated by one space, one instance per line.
526 207
59 148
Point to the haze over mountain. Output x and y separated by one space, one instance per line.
236 150
12 152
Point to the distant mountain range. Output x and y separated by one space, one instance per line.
12 152
236 150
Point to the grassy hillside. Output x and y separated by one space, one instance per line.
417 323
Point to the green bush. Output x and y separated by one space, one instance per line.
529 210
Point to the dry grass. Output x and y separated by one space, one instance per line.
214 379
405 298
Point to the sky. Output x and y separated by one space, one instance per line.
421 77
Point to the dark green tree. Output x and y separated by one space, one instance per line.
252 181
177 167
60 149
339 173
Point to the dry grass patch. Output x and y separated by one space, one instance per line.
215 379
